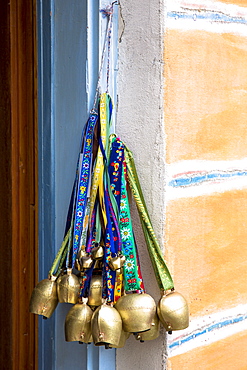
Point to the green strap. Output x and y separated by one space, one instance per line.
62 252
131 278
63 258
162 273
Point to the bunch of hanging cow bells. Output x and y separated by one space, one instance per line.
97 268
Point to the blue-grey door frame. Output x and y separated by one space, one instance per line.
68 55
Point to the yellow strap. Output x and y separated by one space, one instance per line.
118 285
98 174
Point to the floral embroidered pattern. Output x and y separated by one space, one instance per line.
117 170
83 184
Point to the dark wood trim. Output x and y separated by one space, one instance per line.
18 185
5 191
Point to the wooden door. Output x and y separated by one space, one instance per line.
18 185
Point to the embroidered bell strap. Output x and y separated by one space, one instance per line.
113 244
132 273
91 237
112 249
116 246
115 249
83 240
71 211
117 169
97 179
84 180
108 275
64 250
85 281
162 273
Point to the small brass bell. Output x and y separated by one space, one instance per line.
68 288
98 265
78 323
86 262
97 252
117 262
44 298
173 311
77 265
137 311
151 334
81 254
106 326
95 291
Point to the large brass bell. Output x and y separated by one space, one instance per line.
44 298
123 337
78 323
68 288
173 311
95 291
151 334
106 326
137 311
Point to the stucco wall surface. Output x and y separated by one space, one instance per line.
140 125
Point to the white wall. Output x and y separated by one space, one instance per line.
140 125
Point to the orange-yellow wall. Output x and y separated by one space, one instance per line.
237 2
206 235
207 249
206 100
229 353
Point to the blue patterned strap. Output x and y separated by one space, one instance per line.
83 184
117 169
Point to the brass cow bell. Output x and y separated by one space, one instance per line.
95 291
98 265
137 312
151 334
44 297
78 323
173 311
77 265
86 262
81 254
97 252
117 262
68 288
106 326
123 337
